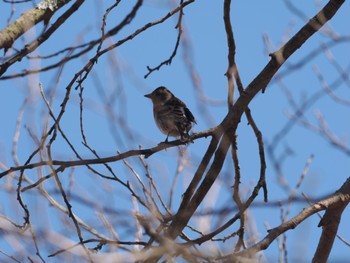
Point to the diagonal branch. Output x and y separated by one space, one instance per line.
330 223
41 39
336 201
42 12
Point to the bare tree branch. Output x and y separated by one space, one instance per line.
42 12
337 201
330 223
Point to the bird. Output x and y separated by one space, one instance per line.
171 115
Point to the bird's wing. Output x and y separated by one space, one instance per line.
180 109
189 115
171 111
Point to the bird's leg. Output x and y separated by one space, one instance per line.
186 138
166 139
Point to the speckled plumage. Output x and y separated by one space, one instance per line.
171 115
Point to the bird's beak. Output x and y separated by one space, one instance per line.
148 95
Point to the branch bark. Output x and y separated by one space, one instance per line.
330 223
42 12
334 206
30 47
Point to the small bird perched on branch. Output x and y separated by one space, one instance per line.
171 115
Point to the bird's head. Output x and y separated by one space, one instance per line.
160 95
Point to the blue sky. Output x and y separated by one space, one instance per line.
118 78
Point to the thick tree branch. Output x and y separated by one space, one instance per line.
330 223
314 24
41 39
42 12
337 201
